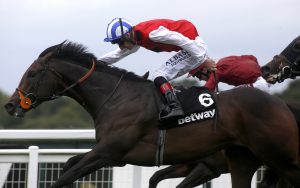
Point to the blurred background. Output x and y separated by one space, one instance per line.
262 28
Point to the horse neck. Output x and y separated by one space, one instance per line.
103 89
124 93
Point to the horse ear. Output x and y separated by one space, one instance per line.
297 46
146 75
55 51
62 43
60 46
47 56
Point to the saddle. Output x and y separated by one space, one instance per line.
198 104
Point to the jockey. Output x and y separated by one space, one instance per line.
160 35
233 70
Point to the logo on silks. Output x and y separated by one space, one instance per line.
206 100
180 56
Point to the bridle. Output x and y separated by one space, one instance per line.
30 100
285 71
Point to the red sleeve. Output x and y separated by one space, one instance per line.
210 83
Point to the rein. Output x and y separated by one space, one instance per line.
287 71
110 96
29 100
88 74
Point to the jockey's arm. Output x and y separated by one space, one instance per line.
197 48
116 55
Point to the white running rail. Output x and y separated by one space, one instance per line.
118 177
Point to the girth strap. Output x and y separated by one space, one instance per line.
159 158
217 96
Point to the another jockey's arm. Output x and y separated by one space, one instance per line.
116 55
211 82
163 35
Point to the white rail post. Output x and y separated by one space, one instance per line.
137 177
33 167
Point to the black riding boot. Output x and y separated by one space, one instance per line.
173 108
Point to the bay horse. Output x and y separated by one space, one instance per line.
125 110
207 168
285 65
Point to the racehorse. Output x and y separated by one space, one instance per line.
285 65
207 168
210 167
125 110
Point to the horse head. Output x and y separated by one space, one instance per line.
283 66
278 69
40 82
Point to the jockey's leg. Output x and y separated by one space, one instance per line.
179 64
174 107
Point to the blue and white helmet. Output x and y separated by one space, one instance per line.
117 28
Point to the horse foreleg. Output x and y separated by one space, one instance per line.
290 172
242 166
174 171
72 161
270 179
283 183
89 162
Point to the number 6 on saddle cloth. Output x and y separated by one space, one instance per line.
198 104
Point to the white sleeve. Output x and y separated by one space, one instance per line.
197 48
118 54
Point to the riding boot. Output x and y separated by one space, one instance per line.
173 108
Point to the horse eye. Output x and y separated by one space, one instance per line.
31 74
265 69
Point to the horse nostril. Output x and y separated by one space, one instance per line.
10 108
265 71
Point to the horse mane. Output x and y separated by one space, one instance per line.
80 55
292 52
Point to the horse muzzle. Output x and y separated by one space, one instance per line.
272 79
14 109
265 72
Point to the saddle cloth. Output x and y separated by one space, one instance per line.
198 104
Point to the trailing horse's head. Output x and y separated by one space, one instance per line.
283 66
277 70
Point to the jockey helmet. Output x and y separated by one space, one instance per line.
117 28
